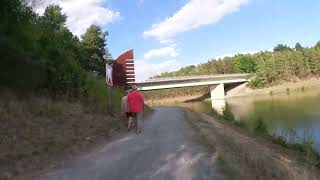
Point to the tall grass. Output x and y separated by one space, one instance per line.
260 126
302 143
96 94
227 114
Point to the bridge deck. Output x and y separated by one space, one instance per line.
187 81
182 78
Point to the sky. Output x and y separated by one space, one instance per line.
169 34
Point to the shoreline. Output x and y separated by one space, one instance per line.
284 88
254 155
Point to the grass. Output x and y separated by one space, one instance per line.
287 88
95 95
299 143
260 126
203 134
35 128
304 147
228 115
303 144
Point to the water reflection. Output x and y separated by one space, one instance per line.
295 117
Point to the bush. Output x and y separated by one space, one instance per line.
255 83
95 92
19 71
241 123
40 53
227 114
260 126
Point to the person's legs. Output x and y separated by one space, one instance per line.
139 122
129 123
135 122
129 116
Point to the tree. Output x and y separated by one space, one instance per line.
94 45
53 18
245 64
281 47
298 47
39 53
318 44
61 53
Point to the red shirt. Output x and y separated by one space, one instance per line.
135 100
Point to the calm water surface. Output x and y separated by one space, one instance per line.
291 116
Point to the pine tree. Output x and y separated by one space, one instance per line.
298 47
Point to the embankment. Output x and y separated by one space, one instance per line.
254 156
35 131
284 88
174 95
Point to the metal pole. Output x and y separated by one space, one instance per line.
109 99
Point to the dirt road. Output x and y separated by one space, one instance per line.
167 149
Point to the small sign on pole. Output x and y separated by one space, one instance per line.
109 83
109 75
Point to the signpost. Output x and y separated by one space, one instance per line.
109 82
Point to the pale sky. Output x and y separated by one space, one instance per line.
169 34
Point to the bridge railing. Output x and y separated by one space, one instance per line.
195 77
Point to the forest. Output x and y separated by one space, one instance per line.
40 55
283 64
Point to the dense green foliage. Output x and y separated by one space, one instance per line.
269 68
40 54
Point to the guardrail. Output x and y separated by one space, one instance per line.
194 77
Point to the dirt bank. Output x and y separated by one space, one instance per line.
254 156
284 88
37 130
174 94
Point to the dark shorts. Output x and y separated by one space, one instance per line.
131 114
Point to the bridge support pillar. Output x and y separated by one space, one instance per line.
218 98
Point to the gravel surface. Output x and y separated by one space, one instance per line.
166 149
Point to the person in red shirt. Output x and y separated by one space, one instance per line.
136 106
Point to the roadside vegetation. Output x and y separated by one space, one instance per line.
303 144
39 54
253 155
283 64
290 139
52 87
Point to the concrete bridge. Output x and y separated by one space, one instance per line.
217 84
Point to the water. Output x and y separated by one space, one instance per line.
291 116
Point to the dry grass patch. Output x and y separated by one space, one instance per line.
35 129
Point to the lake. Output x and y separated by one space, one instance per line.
293 116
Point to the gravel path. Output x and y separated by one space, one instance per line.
167 149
